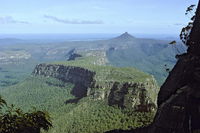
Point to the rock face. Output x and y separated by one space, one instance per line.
137 96
130 95
80 77
74 56
178 100
179 97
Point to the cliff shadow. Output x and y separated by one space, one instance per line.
79 91
75 100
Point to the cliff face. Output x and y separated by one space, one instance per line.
178 100
138 96
80 77
179 97
131 95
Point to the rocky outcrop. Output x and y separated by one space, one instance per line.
80 77
74 56
137 96
178 100
179 97
131 95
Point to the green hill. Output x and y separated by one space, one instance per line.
90 114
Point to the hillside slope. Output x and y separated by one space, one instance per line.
112 96
148 55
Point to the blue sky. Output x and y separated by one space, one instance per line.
93 16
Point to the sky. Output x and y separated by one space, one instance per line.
93 16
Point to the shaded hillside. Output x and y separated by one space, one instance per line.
148 55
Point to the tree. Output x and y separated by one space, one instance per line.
14 120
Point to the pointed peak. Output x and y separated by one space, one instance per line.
126 33
125 36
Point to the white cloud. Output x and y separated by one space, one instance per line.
11 20
66 21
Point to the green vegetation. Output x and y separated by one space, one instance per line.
107 73
11 74
49 94
39 92
14 120
96 117
87 116
151 60
147 55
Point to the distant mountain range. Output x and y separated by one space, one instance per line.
149 55
88 93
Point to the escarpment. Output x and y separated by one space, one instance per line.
178 100
179 97
131 95
137 95
80 77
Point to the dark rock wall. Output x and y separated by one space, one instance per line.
178 100
80 77
136 96
129 95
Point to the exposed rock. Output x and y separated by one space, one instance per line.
74 56
130 96
179 97
82 78
125 95
178 100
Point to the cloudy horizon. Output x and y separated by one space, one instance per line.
93 16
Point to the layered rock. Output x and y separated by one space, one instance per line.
140 96
178 100
179 97
80 77
130 95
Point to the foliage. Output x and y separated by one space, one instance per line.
91 116
87 116
150 61
108 73
185 32
14 120
11 74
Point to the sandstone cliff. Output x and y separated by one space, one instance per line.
139 96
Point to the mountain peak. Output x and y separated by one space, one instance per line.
125 36
126 33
